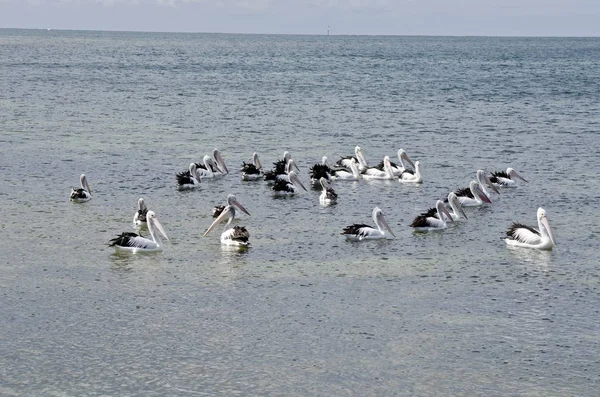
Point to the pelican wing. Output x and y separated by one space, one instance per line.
331 194
79 193
359 230
132 240
283 186
141 214
236 233
523 233
320 170
464 192
250 169
217 210
184 178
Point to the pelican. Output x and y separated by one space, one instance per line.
252 171
485 181
398 169
188 179
288 187
359 232
358 157
205 170
457 212
407 177
132 242
541 238
320 170
231 201
434 219
506 178
374 173
83 194
220 163
237 235
472 195
280 168
342 175
139 218
328 195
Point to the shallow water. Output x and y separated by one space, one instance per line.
302 312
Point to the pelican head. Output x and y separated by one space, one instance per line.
256 161
362 163
141 204
402 156
543 222
219 160
443 210
513 174
152 220
194 171
296 181
233 201
455 204
84 183
324 160
286 156
380 221
477 192
482 178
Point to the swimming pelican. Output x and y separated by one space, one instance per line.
407 177
427 221
217 165
237 235
139 218
398 169
484 181
457 212
188 179
288 187
359 232
472 196
506 178
541 238
320 170
342 175
279 167
205 170
374 173
82 194
358 157
231 201
134 243
252 171
328 195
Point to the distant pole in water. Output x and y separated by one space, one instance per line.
327 30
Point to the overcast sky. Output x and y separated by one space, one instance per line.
371 17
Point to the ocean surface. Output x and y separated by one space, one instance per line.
302 312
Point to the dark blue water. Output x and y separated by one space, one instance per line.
302 312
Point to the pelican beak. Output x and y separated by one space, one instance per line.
407 159
544 221
385 224
257 163
292 164
225 214
240 206
220 163
490 184
483 196
160 228
360 157
296 181
514 174
460 208
197 175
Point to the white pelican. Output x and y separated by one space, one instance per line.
407 177
231 201
484 181
506 178
237 235
82 194
328 195
398 169
374 173
279 167
252 171
342 175
288 187
134 243
520 235
434 219
188 179
139 218
205 169
358 157
457 212
359 232
472 196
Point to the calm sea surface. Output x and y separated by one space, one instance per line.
302 312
